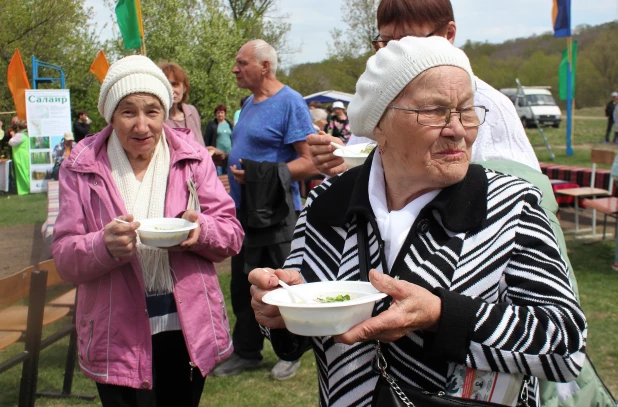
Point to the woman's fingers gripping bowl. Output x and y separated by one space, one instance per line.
262 283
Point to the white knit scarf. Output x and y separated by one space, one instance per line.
145 201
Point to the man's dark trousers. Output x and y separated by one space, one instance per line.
247 337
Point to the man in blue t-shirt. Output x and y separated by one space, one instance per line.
273 125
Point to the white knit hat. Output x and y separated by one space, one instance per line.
391 69
133 74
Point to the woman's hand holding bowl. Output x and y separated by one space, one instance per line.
262 281
191 216
413 308
121 238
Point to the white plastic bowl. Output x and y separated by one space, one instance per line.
322 319
164 232
353 160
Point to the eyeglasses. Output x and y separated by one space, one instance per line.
440 116
378 42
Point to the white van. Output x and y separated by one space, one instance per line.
541 106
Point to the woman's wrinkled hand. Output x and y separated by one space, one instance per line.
264 280
121 238
193 217
413 308
322 154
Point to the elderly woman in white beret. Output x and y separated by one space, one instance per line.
475 279
151 322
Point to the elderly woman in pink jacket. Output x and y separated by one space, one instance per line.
151 322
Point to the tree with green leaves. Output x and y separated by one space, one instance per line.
360 17
57 32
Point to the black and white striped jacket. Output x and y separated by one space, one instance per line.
485 247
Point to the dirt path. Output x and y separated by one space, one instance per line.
22 246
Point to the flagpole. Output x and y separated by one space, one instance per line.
140 22
569 129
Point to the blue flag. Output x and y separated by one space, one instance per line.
561 14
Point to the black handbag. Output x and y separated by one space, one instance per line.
388 393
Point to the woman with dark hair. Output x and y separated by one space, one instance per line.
219 134
182 115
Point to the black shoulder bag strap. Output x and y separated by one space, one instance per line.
363 248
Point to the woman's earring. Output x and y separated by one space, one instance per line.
381 150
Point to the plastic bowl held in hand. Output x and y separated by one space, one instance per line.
330 318
357 155
164 232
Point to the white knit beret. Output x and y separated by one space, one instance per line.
133 74
391 69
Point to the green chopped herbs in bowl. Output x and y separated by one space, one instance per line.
339 298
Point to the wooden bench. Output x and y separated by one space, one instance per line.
13 328
225 181
53 278
32 284
15 317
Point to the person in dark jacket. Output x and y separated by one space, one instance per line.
81 126
218 134
609 113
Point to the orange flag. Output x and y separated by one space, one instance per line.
100 66
17 80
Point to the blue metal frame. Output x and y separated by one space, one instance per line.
36 64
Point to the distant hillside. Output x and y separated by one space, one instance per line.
534 60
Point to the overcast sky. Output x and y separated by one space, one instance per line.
477 20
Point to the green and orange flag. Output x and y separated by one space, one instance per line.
129 17
17 80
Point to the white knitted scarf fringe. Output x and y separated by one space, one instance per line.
145 201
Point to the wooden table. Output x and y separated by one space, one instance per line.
584 192
608 207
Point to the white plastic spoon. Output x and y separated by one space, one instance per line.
292 293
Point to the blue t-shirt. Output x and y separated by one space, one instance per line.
266 132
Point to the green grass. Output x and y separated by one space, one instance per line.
597 287
588 134
586 131
16 210
598 111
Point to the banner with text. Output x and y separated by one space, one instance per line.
49 117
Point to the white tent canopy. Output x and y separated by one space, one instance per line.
329 96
